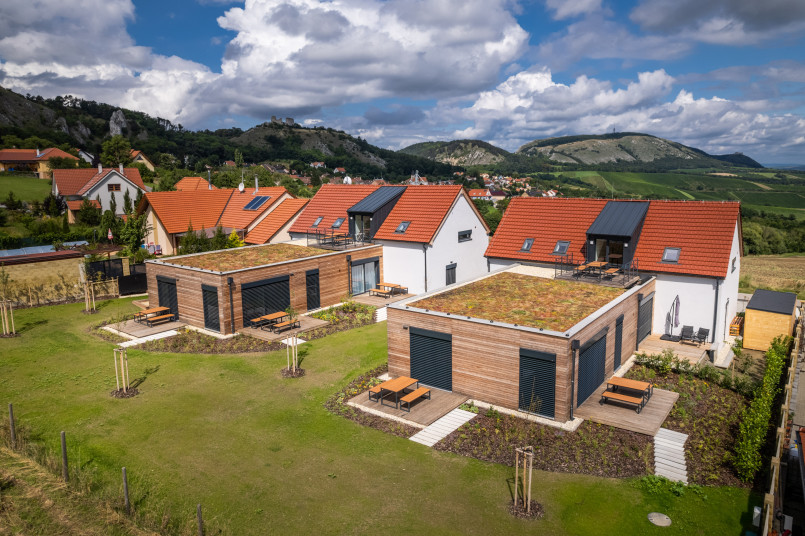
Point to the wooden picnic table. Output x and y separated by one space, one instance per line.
396 386
393 287
267 320
635 385
142 315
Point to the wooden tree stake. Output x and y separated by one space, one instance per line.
13 430
126 493
65 473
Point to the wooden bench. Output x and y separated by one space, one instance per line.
376 392
379 292
610 272
413 395
609 395
159 319
283 326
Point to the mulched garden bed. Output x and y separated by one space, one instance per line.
519 511
710 415
288 373
337 404
120 393
593 449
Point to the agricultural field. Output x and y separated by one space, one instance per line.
263 456
774 272
24 188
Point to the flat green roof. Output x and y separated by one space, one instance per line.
248 257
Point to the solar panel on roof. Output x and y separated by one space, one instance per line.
257 202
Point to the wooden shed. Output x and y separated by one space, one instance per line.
769 314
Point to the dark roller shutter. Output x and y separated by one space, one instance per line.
209 296
166 291
644 316
537 382
312 286
432 358
265 297
450 276
618 341
592 366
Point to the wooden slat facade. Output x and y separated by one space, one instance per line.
761 327
334 284
486 358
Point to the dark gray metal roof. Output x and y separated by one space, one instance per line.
619 218
774 302
372 202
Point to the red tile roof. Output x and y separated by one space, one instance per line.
178 210
29 155
425 207
193 183
702 229
235 217
331 202
79 181
76 204
479 192
264 231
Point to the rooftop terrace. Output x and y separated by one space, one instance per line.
524 300
249 257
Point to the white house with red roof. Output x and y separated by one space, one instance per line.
101 184
482 194
31 160
432 236
692 248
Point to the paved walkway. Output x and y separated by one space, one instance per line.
442 427
669 455
135 342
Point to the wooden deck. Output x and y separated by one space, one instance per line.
648 421
653 344
380 301
138 330
307 323
423 411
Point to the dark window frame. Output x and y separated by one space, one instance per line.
113 187
402 227
668 250
467 236
337 223
318 221
565 243
527 244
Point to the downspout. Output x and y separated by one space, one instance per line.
574 348
231 283
425 250
349 275
715 312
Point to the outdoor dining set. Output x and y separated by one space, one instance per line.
598 269
401 385
276 322
628 391
154 315
387 290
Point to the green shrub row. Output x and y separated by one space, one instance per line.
668 362
756 418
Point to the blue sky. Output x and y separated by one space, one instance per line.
720 75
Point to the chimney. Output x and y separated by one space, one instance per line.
209 181
100 168
37 152
121 169
256 186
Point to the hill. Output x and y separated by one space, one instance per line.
459 152
86 124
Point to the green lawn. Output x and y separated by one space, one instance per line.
263 456
24 188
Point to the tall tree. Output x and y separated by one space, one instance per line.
113 203
238 158
127 203
115 151
88 214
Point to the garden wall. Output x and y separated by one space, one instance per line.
334 274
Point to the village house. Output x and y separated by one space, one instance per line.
193 183
99 185
481 194
138 157
31 160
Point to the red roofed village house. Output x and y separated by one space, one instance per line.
31 160
75 185
693 248
432 236
138 157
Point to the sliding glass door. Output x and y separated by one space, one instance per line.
365 277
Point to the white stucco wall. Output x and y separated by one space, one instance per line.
404 262
729 288
157 233
102 189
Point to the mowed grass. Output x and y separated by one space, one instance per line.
24 188
774 272
263 456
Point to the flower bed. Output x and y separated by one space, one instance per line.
710 415
349 312
337 404
593 449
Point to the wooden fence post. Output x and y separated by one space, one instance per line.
64 471
126 493
11 422
200 521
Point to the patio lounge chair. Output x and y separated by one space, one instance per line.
701 336
687 334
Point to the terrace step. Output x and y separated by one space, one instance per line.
381 314
442 427
135 342
669 455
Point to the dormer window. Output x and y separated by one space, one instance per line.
318 221
402 227
671 255
338 223
527 244
561 247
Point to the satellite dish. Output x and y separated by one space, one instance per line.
241 187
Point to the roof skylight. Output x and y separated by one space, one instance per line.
402 227
338 223
318 221
561 247
527 243
671 255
